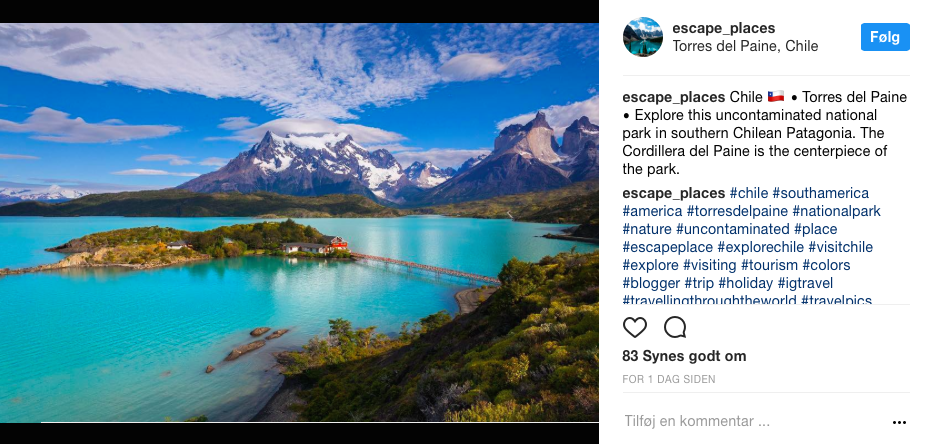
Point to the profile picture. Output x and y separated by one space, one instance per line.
643 37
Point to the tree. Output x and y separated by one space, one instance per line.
521 277
435 321
365 336
340 328
234 249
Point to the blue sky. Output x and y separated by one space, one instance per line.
644 24
122 107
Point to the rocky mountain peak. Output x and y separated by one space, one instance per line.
534 139
427 175
582 122
577 135
266 139
540 120
471 162
524 159
307 165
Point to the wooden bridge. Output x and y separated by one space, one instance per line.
430 268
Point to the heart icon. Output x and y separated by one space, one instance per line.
635 326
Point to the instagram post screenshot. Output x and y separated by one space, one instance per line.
391 222
765 228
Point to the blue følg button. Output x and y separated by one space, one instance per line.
885 37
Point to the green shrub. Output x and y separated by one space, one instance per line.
516 369
504 396
506 412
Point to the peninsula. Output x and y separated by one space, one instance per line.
154 247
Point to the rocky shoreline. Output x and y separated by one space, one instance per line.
468 300
278 407
587 240
95 260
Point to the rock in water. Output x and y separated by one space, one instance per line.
210 369
240 351
276 334
259 332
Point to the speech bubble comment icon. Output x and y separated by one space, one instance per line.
675 327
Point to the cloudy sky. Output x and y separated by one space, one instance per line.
110 107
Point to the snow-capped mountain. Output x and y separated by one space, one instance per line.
53 193
526 158
641 34
427 175
309 165
471 162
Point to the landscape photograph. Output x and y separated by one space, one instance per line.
643 37
300 222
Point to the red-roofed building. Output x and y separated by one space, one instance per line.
336 243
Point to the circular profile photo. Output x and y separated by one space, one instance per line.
643 37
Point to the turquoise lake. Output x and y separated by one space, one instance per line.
639 46
117 345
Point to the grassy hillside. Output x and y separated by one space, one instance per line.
573 204
528 353
228 241
181 203
123 237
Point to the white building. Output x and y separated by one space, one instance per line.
303 247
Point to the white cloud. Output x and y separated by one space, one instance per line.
235 123
360 133
478 66
214 161
172 159
294 70
92 187
146 172
54 39
17 157
441 157
393 147
466 67
524 47
560 116
55 126
84 54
